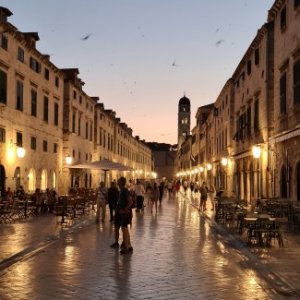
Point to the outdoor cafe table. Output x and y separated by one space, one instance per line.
261 228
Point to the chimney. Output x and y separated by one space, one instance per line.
4 14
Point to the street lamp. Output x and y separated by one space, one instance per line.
224 161
69 159
256 152
21 152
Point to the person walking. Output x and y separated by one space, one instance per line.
161 191
203 197
154 197
112 197
139 192
101 202
124 216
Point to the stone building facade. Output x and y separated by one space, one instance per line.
254 126
47 120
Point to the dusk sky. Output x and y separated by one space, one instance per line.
143 55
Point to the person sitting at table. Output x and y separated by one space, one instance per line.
20 193
9 195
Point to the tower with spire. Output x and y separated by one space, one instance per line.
184 119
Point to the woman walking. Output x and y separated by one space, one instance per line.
154 197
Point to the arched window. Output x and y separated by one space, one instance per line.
44 180
2 178
17 177
283 182
31 180
54 184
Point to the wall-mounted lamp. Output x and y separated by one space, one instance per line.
224 161
209 166
69 159
21 152
201 169
256 151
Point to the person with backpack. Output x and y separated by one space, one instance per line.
203 197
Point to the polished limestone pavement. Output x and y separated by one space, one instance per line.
177 254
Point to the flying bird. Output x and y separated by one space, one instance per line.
219 42
218 29
86 37
174 63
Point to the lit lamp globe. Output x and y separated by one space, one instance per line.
201 169
256 151
224 161
69 160
209 167
21 152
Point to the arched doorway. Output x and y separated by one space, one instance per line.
2 179
44 180
17 177
54 184
298 180
31 180
283 182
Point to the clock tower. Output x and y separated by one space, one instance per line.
184 119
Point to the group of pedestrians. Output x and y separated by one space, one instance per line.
121 199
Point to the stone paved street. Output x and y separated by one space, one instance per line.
178 254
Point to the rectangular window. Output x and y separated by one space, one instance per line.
45 146
256 56
33 143
33 102
19 138
56 114
91 131
21 55
249 67
73 121
55 148
4 42
56 81
3 87
79 125
248 122
256 115
46 109
74 95
100 137
2 135
297 82
86 130
283 94
19 104
35 65
283 19
46 74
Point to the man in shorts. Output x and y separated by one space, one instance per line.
123 218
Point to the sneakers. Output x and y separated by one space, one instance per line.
126 250
114 245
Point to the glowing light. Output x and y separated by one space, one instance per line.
201 169
209 166
224 161
69 160
21 152
256 151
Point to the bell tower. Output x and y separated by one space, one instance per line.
184 119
